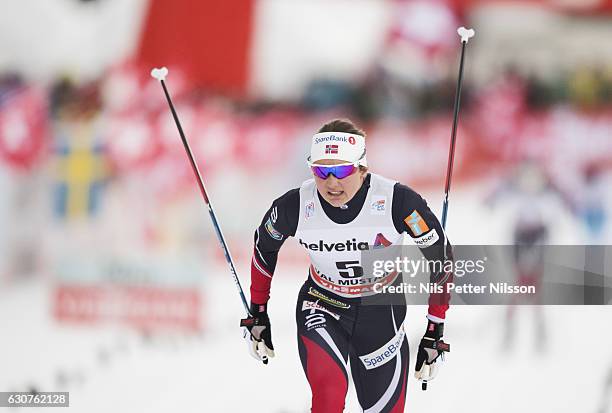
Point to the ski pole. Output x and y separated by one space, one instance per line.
465 35
160 74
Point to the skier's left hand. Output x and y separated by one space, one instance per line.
430 349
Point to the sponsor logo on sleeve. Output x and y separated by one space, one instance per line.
386 353
416 223
378 205
270 226
427 240
272 231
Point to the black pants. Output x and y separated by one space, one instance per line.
333 330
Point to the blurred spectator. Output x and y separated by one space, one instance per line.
584 88
62 93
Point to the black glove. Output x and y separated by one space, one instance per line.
257 332
430 349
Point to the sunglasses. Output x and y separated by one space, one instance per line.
339 171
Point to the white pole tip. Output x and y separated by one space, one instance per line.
160 73
465 33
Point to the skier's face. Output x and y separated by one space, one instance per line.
339 191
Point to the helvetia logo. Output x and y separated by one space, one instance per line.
348 245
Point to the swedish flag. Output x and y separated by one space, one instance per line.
80 169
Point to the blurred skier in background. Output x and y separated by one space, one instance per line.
606 401
592 206
529 193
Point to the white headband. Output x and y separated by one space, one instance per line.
338 145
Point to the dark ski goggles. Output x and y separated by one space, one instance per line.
339 171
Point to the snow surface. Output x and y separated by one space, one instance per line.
109 368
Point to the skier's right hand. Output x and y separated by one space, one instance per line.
257 332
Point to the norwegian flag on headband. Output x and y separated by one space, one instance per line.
331 149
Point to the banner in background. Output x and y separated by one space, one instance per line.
209 40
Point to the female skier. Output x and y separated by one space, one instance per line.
336 215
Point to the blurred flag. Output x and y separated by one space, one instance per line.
209 40
132 141
500 114
430 25
23 127
80 170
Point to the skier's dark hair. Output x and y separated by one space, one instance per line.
346 126
342 125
